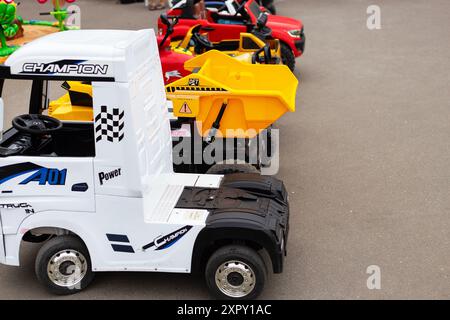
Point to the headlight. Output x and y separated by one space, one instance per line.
296 33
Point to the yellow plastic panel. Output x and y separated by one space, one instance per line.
185 106
63 110
257 95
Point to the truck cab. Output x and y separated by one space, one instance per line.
102 194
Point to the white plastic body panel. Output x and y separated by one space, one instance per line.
127 217
99 53
47 187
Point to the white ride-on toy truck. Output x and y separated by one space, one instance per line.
102 194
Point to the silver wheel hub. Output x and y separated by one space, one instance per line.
235 279
67 268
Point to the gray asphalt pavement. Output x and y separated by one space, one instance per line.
366 158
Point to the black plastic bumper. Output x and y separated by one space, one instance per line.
300 44
246 208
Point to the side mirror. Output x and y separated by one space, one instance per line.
1 118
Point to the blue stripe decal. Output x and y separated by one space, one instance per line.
16 175
168 245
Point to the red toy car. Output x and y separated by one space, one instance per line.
172 62
225 25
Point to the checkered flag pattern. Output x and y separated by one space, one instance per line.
109 126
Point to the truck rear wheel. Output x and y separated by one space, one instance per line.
63 265
236 273
232 168
287 56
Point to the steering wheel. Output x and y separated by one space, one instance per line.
256 58
36 124
202 41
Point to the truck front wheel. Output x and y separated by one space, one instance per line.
236 273
63 265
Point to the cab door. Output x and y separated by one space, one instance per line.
46 184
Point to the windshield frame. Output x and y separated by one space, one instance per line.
254 8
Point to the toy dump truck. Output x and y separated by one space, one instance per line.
225 105
230 107
102 194
251 97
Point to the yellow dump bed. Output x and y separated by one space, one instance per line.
75 105
255 95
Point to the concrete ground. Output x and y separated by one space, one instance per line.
366 158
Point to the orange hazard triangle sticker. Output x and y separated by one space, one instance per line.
185 109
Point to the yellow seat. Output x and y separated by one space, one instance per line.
75 105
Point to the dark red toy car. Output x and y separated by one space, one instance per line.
225 25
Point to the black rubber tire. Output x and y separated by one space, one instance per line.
239 253
52 247
287 56
232 168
